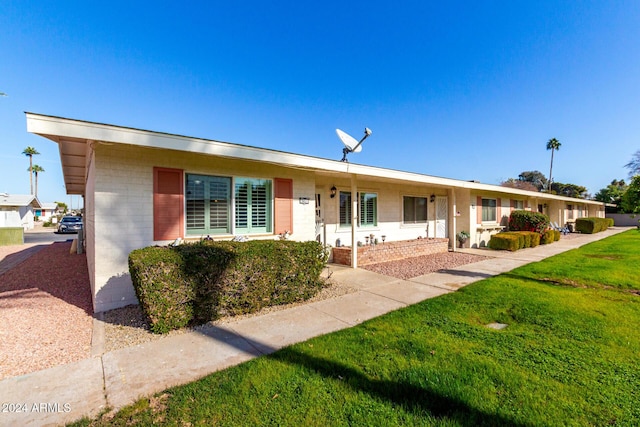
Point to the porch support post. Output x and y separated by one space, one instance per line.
452 218
354 222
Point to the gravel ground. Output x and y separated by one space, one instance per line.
45 309
417 266
127 326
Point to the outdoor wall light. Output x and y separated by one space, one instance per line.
333 191
432 198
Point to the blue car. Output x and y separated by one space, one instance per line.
70 224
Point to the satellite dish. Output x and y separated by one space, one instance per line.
351 145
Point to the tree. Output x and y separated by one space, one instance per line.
569 190
516 183
30 152
553 145
612 193
37 169
634 164
536 178
631 198
62 206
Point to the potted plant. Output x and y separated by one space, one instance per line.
462 238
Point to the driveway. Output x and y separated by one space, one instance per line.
41 235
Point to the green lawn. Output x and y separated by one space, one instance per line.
568 357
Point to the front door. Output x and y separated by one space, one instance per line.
442 209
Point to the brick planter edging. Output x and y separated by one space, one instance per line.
391 251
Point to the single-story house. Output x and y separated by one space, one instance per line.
46 211
18 210
170 186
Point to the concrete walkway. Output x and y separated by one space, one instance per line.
66 393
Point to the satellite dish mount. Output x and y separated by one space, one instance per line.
350 143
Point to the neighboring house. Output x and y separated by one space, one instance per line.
46 212
170 186
18 210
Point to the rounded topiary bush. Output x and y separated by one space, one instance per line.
521 220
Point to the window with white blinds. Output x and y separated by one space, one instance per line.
208 204
345 209
209 201
253 205
368 209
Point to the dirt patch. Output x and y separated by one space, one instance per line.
45 311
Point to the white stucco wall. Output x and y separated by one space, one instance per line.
121 214
88 222
10 217
390 210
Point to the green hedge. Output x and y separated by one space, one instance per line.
195 283
11 236
521 220
549 236
514 240
611 222
592 225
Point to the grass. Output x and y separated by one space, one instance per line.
568 357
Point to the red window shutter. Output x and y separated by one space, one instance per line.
168 204
513 204
479 210
283 206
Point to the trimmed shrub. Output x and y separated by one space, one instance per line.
521 220
611 222
532 239
547 237
514 240
505 241
591 225
196 283
556 235
164 290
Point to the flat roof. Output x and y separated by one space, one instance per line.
74 136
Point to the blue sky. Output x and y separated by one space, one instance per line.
466 90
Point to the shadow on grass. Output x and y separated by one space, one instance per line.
411 397
465 273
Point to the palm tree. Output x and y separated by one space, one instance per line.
553 145
36 169
634 165
30 152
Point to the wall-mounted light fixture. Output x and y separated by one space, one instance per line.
333 191
432 198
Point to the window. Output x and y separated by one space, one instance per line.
208 205
569 211
368 209
518 204
345 209
489 210
253 205
414 210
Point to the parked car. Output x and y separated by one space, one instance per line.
70 224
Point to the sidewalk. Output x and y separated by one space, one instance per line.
66 393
